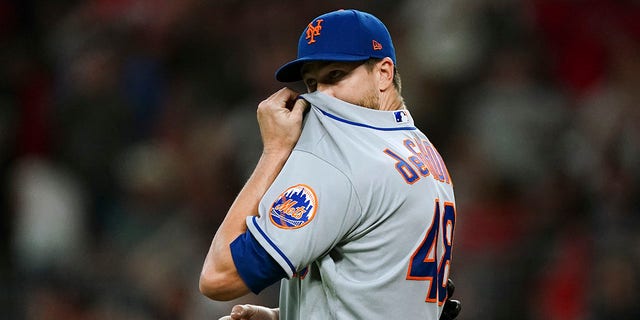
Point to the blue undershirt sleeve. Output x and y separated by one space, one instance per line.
255 266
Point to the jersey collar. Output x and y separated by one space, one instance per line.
352 114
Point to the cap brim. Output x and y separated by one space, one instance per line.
291 71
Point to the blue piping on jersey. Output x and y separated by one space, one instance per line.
364 125
255 224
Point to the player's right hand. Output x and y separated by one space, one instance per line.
280 120
252 312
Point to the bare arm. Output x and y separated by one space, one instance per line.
280 128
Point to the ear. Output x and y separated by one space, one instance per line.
385 74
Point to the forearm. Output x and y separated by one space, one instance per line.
280 128
219 279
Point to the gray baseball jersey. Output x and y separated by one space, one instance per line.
361 217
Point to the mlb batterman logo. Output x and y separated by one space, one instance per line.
294 208
401 116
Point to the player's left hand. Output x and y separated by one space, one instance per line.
451 307
252 312
280 120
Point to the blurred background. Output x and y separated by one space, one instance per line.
128 126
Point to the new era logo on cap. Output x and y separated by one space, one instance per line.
343 35
376 45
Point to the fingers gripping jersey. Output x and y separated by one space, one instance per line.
361 217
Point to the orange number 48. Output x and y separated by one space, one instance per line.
427 264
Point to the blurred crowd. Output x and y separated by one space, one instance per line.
128 126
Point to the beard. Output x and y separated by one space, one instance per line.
370 101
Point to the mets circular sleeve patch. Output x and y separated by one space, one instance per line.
294 208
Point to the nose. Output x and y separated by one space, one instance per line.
326 89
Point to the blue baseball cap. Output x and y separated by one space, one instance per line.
343 35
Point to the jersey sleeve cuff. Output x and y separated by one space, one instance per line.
255 266
270 247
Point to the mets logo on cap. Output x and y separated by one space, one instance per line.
294 208
313 31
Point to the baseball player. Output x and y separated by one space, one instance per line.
349 203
